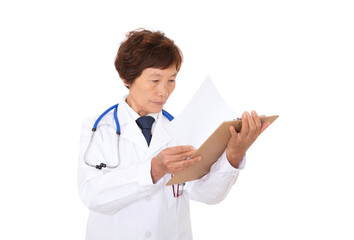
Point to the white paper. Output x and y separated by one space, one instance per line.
200 118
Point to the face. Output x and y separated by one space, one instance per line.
150 91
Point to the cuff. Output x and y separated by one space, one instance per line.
144 174
242 163
223 165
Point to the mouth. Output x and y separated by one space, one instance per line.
160 104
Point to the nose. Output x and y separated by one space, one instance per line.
163 90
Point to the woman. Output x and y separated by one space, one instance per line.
132 200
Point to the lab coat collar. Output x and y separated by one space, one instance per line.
160 137
131 131
134 114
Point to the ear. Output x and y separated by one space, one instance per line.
126 84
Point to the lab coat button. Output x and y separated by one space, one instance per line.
148 234
148 198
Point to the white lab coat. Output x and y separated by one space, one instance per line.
124 202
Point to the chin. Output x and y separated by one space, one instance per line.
156 110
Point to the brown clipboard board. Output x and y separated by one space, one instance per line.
211 150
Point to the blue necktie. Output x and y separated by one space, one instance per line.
145 123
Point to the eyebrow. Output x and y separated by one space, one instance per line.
159 75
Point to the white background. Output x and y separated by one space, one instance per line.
292 58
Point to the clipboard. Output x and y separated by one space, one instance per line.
211 150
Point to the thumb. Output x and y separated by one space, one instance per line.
233 131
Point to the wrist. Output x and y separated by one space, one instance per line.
156 174
235 158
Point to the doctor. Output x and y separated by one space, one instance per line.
132 200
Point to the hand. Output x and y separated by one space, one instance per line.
172 160
240 142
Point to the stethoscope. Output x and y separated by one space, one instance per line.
176 194
94 128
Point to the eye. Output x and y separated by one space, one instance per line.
172 80
155 81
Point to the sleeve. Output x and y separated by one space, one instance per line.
214 186
108 191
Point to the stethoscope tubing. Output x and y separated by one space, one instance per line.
179 189
94 128
115 107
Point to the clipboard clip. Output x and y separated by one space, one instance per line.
258 116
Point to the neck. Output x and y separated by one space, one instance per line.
131 103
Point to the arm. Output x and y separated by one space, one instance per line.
214 187
108 191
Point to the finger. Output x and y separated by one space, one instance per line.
180 156
193 152
189 162
180 166
264 126
251 124
257 121
179 149
245 127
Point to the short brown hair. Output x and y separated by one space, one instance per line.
144 49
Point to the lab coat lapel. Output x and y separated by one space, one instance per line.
133 134
130 130
160 137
